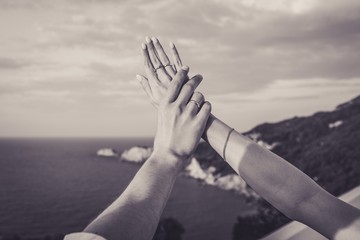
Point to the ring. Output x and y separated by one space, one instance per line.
197 104
168 65
161 66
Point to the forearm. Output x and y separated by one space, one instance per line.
279 182
283 185
135 214
216 133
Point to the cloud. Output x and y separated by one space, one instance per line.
282 99
9 63
20 4
82 56
320 42
291 89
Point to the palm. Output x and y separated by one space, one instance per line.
159 71
158 94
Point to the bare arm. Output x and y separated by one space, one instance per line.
280 183
135 214
283 185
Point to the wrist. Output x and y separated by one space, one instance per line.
168 158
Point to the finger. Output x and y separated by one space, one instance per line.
204 113
145 84
149 68
176 57
154 59
158 67
176 84
163 57
188 89
147 61
153 79
195 103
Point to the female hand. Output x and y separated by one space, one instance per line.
182 117
158 69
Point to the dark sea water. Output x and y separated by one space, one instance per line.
51 186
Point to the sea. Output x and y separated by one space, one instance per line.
57 186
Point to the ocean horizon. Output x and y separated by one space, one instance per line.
58 185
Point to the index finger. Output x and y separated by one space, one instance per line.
149 68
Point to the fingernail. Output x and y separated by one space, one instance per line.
147 39
154 39
143 46
172 45
139 78
185 68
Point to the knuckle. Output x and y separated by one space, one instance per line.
181 73
188 87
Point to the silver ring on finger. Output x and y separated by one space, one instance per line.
170 68
161 66
197 99
196 103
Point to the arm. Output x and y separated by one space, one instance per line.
135 214
280 183
284 186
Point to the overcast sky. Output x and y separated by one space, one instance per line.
67 68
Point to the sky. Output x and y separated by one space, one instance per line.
67 67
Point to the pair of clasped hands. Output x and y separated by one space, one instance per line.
182 112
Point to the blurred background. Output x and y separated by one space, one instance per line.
68 89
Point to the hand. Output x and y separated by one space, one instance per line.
181 122
158 69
